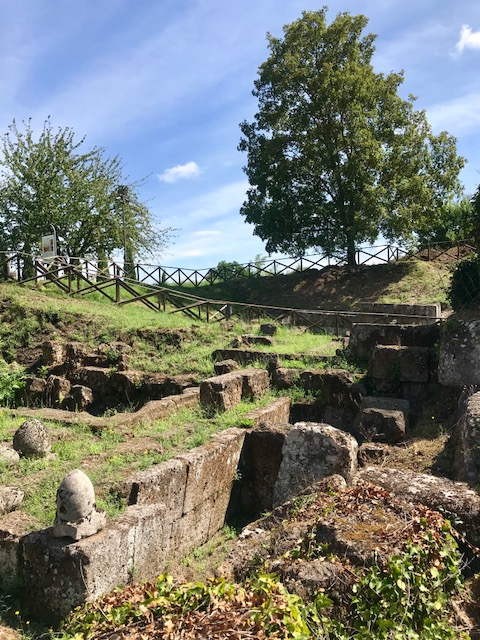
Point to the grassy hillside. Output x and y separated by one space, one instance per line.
408 281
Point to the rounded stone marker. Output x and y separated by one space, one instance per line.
32 439
75 497
77 516
8 456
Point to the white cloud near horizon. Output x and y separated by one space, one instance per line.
468 39
185 171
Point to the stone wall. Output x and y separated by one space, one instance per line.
173 508
364 337
459 358
402 313
466 439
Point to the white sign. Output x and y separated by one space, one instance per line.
49 246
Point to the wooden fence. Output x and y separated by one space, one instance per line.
19 266
146 284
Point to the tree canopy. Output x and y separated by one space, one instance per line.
335 155
53 181
454 224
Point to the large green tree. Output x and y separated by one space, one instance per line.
335 155
52 180
454 224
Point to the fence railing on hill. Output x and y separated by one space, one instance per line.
151 285
20 266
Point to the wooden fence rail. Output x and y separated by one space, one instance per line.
73 280
79 276
21 267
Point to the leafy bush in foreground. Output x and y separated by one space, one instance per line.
464 290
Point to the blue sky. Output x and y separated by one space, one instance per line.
165 84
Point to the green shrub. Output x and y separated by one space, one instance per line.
12 378
464 290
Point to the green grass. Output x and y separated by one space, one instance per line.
296 340
30 316
425 283
106 457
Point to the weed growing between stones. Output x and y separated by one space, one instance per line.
12 378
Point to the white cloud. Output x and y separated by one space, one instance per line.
209 205
228 239
180 172
468 39
459 115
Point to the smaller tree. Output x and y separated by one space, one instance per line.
229 270
454 223
51 181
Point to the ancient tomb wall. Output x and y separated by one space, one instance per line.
174 507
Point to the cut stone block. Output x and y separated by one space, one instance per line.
278 412
268 328
211 467
284 378
313 451
466 439
255 383
400 364
221 393
384 363
459 357
57 388
382 419
335 386
78 398
163 483
225 366
34 391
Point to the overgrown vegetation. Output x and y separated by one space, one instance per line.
12 379
409 597
464 290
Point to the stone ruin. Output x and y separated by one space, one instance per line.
180 504
32 440
79 380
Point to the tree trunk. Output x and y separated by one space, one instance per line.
351 252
